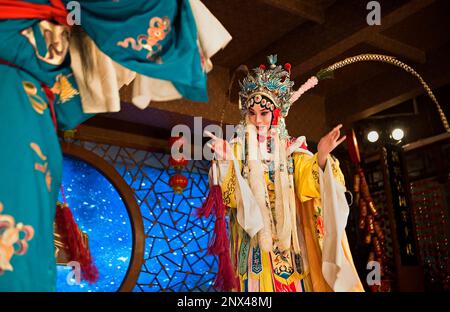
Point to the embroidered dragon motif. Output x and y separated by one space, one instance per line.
156 32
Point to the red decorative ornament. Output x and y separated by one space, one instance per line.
287 66
179 163
178 183
262 66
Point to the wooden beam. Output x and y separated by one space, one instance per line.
308 39
397 48
132 127
403 12
427 141
412 90
123 139
329 53
132 135
301 8
388 89
360 36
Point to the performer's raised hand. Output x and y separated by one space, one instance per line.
328 143
220 147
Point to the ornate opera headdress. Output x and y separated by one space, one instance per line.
272 89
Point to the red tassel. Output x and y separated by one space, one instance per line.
219 244
77 249
219 241
208 204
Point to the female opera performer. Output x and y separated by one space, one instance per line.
287 207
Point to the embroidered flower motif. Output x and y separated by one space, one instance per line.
38 104
10 242
319 223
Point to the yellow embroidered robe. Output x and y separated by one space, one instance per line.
277 270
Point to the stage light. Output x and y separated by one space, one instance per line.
373 136
398 134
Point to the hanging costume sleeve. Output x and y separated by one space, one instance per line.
158 44
337 265
236 192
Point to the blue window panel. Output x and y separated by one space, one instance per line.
100 212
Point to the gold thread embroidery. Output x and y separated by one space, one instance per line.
336 171
315 172
64 88
319 224
38 151
229 190
42 167
38 104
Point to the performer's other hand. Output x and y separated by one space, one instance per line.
328 143
220 147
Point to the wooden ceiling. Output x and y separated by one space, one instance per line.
311 35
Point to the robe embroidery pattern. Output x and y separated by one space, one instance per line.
318 218
42 167
10 237
157 31
64 88
38 104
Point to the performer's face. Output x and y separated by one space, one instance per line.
260 117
